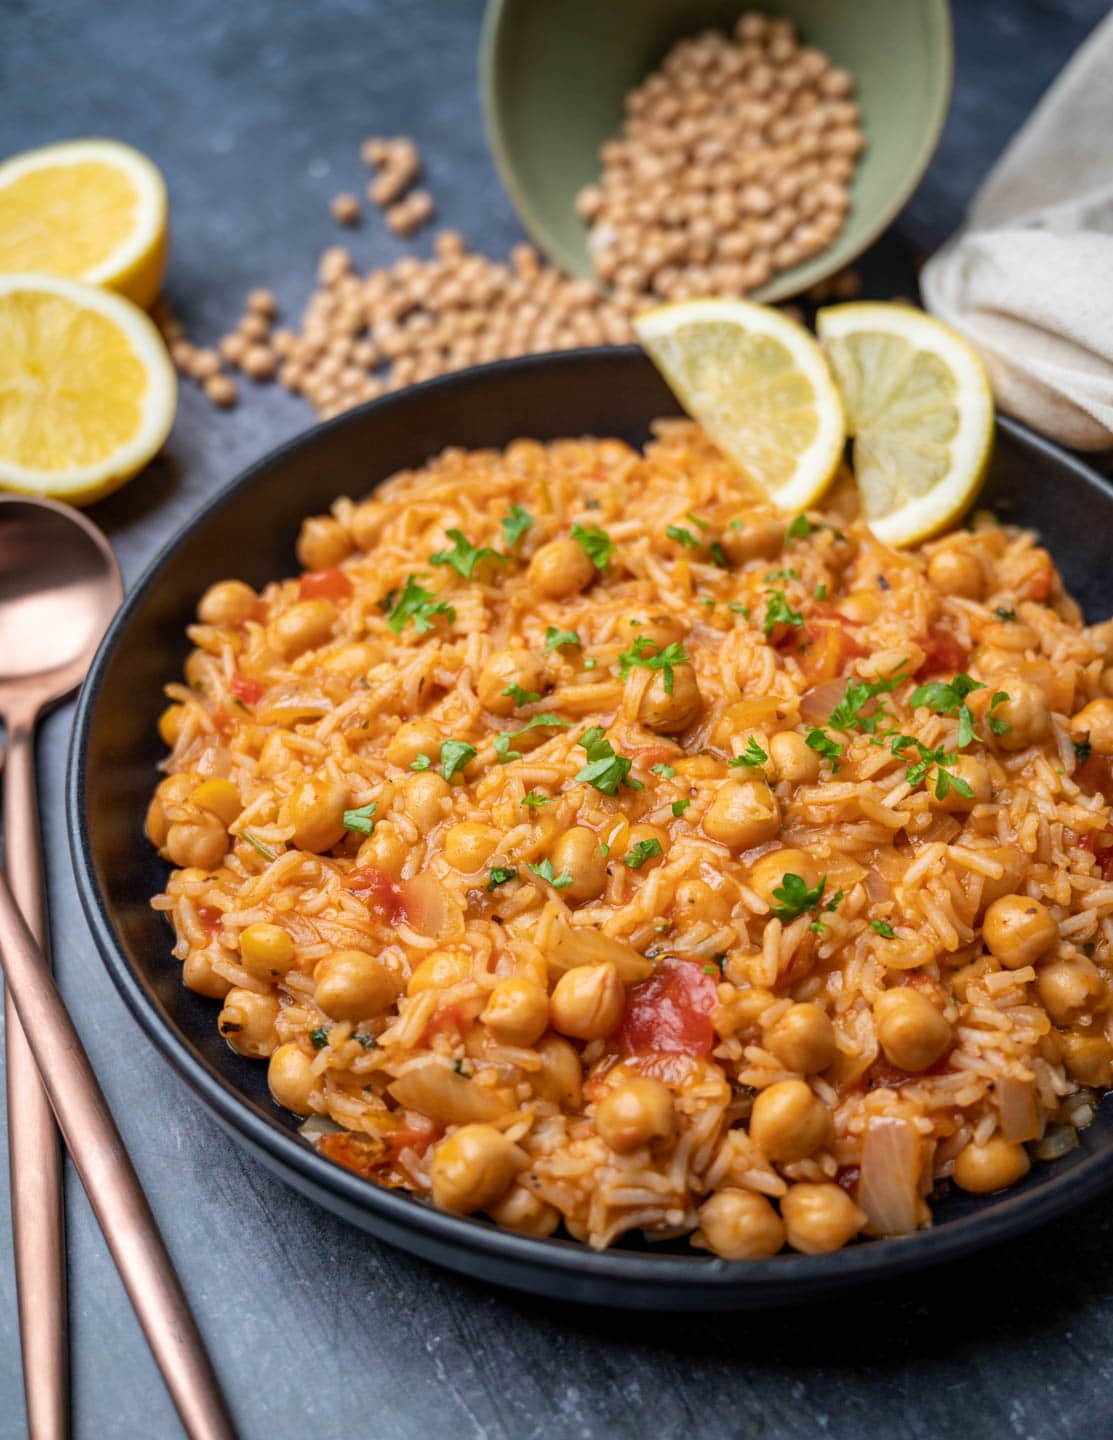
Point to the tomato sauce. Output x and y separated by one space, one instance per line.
826 648
671 1011
210 917
383 895
249 691
325 585
943 655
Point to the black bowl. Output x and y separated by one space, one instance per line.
248 531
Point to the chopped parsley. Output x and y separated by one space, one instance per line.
464 556
264 850
795 898
949 699
679 807
520 696
753 755
318 1038
604 770
822 744
820 592
738 608
499 875
1082 750
515 523
590 662
367 1041
682 536
847 714
666 772
360 819
642 851
883 928
455 754
555 638
916 773
998 726
546 872
783 575
718 555
779 612
534 800
420 762
644 652
502 742
417 605
800 528
596 544
1005 615
696 521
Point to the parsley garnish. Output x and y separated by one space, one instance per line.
500 874
800 528
779 612
696 521
947 699
515 523
417 605
1005 615
783 575
847 714
534 800
546 872
1082 750
264 850
367 1041
642 851
502 742
916 773
666 772
739 609
822 744
795 897
318 1038
883 928
644 652
464 557
753 755
604 770
682 536
679 807
520 696
455 754
590 663
360 819
555 638
718 555
596 544
999 727
820 592
420 762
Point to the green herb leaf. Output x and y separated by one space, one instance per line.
682 536
820 592
417 605
360 820
779 612
800 528
847 714
752 756
783 575
999 727
718 555
318 1038
499 875
534 800
1082 750
822 744
544 721
590 662
605 770
944 698
679 807
264 850
555 638
644 652
696 521
546 872
642 851
1005 615
464 557
361 1037
596 544
739 609
666 772
795 897
520 696
515 523
420 762
455 754
945 782
883 928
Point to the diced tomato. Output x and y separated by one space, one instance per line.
325 585
942 653
646 756
1096 776
382 894
249 691
224 722
1100 846
671 1011
210 917
445 1020
825 648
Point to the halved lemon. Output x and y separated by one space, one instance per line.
87 390
758 384
920 409
92 210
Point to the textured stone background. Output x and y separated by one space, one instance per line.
255 112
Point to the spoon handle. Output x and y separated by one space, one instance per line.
35 1156
118 1201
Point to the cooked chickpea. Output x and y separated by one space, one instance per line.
998 1163
792 758
316 811
578 852
468 845
750 537
560 1078
439 970
1019 930
322 543
201 842
517 1011
266 950
789 1121
521 1210
1068 987
768 872
472 1168
505 669
174 790
247 1022
588 1002
219 797
170 724
803 1039
561 568
353 985
423 798
305 626
957 572
635 1113
910 1029
199 976
1095 723
384 848
350 660
1025 712
641 623
228 602
411 739
974 774
291 1079
743 813
819 1218
741 1225
1088 1058
669 709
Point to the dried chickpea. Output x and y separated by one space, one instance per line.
741 1225
221 391
344 208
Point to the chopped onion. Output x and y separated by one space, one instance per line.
1058 1141
877 887
889 1185
452 1099
817 703
1016 1100
428 908
318 1125
572 945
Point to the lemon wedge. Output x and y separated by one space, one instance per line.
87 390
920 409
758 384
91 210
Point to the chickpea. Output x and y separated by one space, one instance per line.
384 848
201 843
521 1210
1025 712
505 669
755 538
1019 930
517 1012
665 713
228 602
170 724
910 1029
414 738
1101 637
1088 1058
423 798
972 772
588 1001
633 1114
305 626
219 797
353 985
472 1168
768 872
1068 987
743 813
322 543
741 1225
789 1121
316 811
247 1022
803 1039
1095 722
560 1079
468 845
439 970
998 1163
561 568
291 1079
579 853
660 631
199 976
957 572
266 950
792 758
350 660
819 1218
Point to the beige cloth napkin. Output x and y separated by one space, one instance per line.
1029 279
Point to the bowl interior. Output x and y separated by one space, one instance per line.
554 77
116 751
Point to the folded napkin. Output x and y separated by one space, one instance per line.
1029 278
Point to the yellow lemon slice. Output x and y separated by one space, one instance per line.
758 384
87 390
920 409
92 210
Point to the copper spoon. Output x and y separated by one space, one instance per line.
59 586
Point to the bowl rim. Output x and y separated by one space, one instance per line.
658 1276
787 283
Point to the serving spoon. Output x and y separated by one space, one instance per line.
59 586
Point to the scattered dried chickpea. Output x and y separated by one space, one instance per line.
344 209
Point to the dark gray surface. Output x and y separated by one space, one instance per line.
255 113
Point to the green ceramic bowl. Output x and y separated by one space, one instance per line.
554 74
